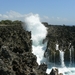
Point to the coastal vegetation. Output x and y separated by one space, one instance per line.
10 22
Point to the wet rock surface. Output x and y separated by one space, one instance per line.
54 71
64 36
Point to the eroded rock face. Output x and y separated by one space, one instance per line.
16 57
64 36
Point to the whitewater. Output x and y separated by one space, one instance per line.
39 32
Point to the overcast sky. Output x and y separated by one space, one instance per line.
51 11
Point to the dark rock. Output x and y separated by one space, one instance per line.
65 37
60 74
16 57
43 67
5 52
54 71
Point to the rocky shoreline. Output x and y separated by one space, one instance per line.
64 37
16 57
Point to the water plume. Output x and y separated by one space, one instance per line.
38 31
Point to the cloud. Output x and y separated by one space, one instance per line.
12 15
46 17
0 15
58 18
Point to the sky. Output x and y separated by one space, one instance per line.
51 11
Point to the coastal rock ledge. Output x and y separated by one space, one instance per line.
16 57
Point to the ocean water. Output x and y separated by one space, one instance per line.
65 70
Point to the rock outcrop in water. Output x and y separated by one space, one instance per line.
64 37
54 71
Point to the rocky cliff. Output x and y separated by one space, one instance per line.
63 37
16 57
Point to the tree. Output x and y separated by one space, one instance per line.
6 22
17 22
